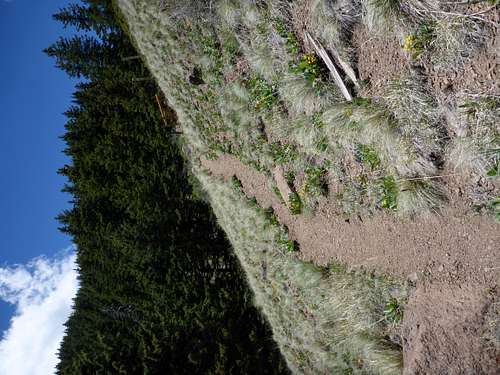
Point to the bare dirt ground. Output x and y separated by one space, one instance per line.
452 262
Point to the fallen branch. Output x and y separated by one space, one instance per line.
344 65
329 63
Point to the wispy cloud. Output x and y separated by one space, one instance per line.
42 292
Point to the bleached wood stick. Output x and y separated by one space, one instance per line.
329 63
344 65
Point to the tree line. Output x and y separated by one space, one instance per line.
160 291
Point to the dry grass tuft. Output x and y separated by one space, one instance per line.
383 15
454 41
476 149
302 98
416 112
419 196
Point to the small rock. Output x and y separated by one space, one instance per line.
413 277
441 268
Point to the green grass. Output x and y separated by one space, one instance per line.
283 153
393 312
295 203
263 94
315 184
367 156
389 193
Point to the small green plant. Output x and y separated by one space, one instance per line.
389 193
278 194
211 47
393 312
292 43
315 184
252 202
317 120
367 155
290 178
289 245
417 43
283 153
271 216
236 184
285 241
495 171
295 203
263 94
322 144
309 68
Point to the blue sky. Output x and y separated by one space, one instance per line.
33 96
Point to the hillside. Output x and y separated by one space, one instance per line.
350 151
160 289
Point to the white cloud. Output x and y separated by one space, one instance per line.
42 292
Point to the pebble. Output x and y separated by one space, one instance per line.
413 277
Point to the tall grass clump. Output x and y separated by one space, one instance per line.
419 196
416 112
454 41
381 15
333 22
390 145
475 148
262 47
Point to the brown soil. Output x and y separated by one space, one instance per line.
380 60
480 72
452 261
445 330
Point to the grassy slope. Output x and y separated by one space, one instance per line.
324 320
248 70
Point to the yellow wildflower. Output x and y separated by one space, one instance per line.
310 59
409 43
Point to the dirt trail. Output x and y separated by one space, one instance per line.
452 259
450 247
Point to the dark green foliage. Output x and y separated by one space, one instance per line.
160 291
315 183
292 43
309 68
295 203
393 312
367 155
236 184
389 193
264 95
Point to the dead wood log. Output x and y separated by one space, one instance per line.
331 67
